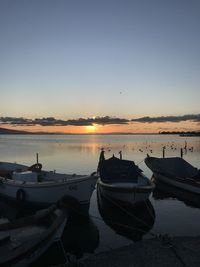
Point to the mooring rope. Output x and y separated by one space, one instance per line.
140 162
130 214
119 224
165 239
149 210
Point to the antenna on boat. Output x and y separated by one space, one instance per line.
37 158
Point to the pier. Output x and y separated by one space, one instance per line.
179 252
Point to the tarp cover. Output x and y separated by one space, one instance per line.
175 166
118 170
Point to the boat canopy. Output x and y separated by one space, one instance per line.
27 176
115 169
175 166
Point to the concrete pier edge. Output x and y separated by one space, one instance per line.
179 251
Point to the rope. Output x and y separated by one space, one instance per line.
140 162
67 259
165 239
130 214
150 212
178 256
124 210
119 224
167 242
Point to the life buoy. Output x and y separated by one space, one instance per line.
35 167
20 195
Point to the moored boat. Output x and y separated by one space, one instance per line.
165 191
34 186
176 172
26 239
123 180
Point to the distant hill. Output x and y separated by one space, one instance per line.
9 131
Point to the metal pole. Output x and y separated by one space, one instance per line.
163 151
181 153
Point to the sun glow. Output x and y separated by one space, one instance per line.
91 128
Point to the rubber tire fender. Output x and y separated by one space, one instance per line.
20 195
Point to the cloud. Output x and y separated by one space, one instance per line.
16 121
191 117
51 121
98 120
109 120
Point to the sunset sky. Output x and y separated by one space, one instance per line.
86 66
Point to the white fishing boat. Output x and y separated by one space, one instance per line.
33 186
175 171
26 239
122 180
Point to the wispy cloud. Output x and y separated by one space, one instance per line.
51 121
190 117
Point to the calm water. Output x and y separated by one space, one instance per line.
79 154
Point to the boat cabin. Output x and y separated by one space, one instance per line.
118 170
27 176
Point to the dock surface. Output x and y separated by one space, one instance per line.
178 252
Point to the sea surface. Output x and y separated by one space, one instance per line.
165 213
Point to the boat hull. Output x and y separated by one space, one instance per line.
125 193
33 255
29 251
175 182
46 193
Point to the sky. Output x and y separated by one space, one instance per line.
119 61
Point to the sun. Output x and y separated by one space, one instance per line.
91 128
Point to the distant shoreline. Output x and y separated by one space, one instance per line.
9 131
12 132
189 133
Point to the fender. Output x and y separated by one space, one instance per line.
20 195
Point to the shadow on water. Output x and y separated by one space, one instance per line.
130 221
14 211
166 191
80 235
